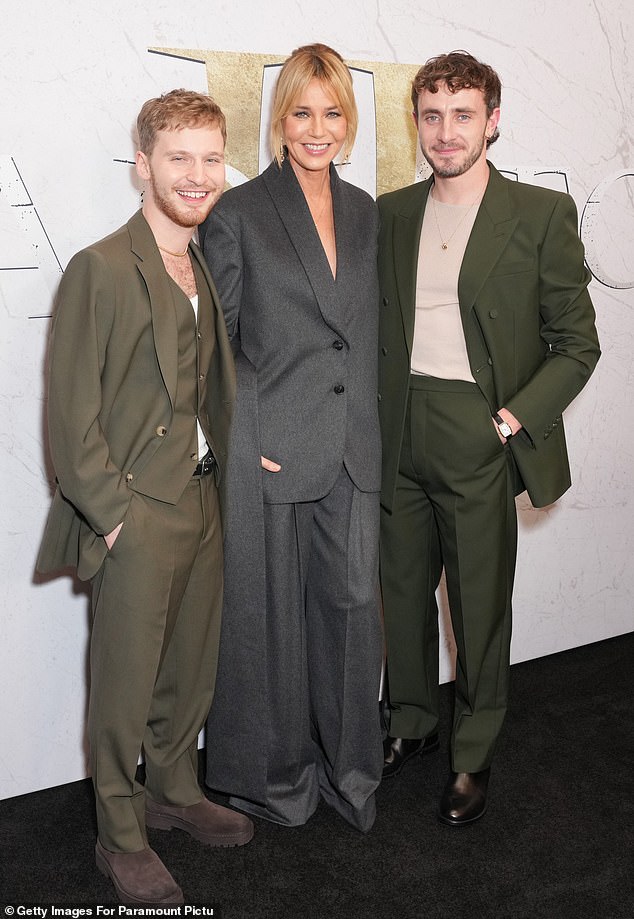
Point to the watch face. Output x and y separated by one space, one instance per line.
506 429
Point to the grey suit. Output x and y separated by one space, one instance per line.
296 706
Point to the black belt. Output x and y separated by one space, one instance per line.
206 466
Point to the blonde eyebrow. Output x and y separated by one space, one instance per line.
309 108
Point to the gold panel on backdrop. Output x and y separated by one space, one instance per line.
235 82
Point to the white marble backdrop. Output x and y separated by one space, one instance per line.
73 77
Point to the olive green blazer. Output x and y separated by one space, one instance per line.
113 367
528 321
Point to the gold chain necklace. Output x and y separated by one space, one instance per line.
317 218
175 254
444 243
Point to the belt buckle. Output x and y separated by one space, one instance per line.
206 465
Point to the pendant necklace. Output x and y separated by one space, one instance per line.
318 217
444 243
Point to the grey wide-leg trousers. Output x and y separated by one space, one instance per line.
324 652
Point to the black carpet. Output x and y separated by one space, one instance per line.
556 843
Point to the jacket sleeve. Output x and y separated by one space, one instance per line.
567 325
79 344
223 253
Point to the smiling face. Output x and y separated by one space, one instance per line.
185 175
453 129
314 130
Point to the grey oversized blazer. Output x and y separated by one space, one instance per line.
309 339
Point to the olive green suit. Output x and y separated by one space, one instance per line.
131 369
448 483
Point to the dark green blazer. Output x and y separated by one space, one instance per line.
528 321
112 386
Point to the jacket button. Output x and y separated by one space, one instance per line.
385 301
490 362
161 430
201 376
339 389
337 344
493 314
193 456
129 477
384 351
378 395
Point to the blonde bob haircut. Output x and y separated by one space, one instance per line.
308 63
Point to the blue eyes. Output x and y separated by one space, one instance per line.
212 161
434 119
305 114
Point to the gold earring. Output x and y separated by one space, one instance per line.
282 151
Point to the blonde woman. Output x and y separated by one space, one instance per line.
293 255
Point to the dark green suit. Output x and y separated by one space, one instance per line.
529 329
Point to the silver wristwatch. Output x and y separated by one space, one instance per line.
504 427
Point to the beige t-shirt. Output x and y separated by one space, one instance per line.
439 347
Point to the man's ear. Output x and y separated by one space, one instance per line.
142 165
492 122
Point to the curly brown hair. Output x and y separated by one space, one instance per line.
459 70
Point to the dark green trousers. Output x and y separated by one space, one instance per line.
156 622
454 509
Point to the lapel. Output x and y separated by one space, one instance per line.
408 221
494 225
162 307
290 204
206 307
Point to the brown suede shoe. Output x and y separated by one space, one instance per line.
207 822
138 877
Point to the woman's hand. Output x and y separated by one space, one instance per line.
269 465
